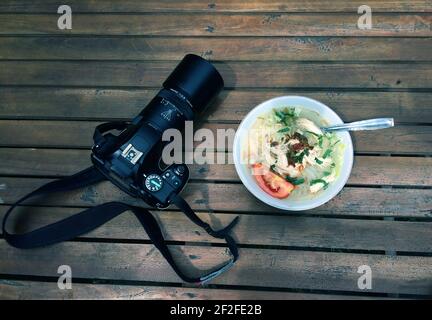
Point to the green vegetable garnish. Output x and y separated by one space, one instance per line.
272 167
286 115
320 141
315 181
327 153
327 173
280 115
290 112
286 129
299 158
295 181
316 135
318 161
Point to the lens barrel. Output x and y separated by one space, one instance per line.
196 79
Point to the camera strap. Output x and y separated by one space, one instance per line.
91 218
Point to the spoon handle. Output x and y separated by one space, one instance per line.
371 124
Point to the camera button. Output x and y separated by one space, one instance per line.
180 170
153 183
175 181
167 175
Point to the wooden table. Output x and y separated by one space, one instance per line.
57 85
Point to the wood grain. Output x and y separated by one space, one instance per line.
217 49
32 290
278 269
231 105
281 24
236 74
367 170
270 230
56 85
134 6
209 197
416 140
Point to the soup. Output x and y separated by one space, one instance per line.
289 155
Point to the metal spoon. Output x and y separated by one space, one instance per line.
371 124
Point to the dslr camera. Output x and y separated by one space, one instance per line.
132 159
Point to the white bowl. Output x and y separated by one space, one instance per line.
292 204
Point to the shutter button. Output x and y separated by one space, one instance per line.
180 170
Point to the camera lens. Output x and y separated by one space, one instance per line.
196 79
187 91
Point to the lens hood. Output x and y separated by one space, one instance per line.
197 79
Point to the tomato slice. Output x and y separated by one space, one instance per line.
271 183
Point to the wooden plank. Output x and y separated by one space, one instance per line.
220 49
367 170
285 231
281 24
231 105
276 268
236 74
32 290
134 6
78 134
209 197
394 171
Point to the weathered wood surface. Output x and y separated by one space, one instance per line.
236 74
367 170
78 134
232 105
187 24
278 269
208 196
220 49
57 85
31 290
270 230
133 6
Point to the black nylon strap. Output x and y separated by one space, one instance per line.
94 217
221 234
61 230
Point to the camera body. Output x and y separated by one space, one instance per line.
136 167
132 159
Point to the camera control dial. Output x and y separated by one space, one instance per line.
153 182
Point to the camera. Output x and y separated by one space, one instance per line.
132 159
